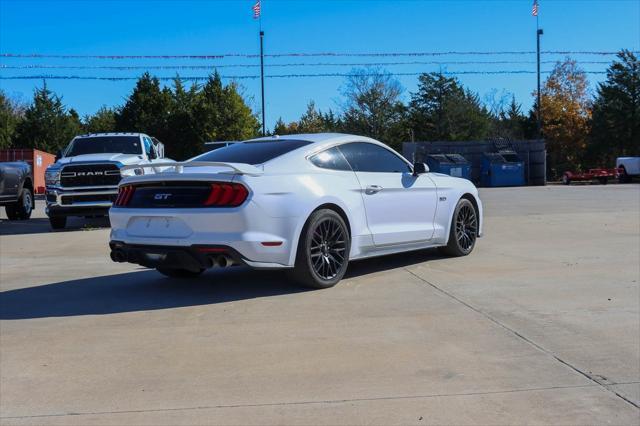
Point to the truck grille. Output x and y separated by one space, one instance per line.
90 175
91 198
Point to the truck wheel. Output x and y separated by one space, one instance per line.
23 208
624 177
463 231
179 273
323 251
58 222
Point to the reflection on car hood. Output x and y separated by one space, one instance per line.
125 159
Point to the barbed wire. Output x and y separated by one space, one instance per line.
309 54
248 77
296 64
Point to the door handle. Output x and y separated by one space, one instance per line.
373 189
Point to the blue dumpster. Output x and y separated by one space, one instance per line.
502 169
449 164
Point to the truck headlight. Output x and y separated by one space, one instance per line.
52 177
132 172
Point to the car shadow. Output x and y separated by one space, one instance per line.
392 261
146 290
41 225
142 290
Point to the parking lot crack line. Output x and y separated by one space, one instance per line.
294 403
524 338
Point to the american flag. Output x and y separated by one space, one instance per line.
256 10
534 9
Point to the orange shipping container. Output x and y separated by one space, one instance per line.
38 160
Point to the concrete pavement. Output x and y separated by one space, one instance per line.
541 324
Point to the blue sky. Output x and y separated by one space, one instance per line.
220 27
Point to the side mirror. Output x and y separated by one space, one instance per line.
420 169
58 155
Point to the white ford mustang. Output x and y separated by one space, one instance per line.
308 203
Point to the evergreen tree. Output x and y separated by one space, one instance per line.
47 125
237 121
509 122
103 121
10 116
147 109
281 128
616 112
311 121
184 139
442 109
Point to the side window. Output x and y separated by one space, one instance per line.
368 157
148 148
331 159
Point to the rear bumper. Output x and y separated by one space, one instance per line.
192 258
261 241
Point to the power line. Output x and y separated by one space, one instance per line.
248 77
295 64
308 54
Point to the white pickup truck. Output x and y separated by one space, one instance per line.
629 166
84 179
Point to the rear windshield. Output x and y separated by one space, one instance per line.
105 144
256 152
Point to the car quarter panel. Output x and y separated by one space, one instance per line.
450 190
295 196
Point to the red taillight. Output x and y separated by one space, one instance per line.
226 195
125 193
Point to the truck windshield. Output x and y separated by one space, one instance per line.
105 144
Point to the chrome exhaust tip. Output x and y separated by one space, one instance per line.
224 261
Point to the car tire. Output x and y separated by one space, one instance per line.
179 273
463 231
58 222
322 256
603 180
566 179
22 209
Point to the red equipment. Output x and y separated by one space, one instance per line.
38 160
601 175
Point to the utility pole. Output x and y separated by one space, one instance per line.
264 128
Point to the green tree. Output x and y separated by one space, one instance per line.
103 121
47 125
10 116
184 138
311 121
509 121
442 109
373 107
616 112
237 120
147 109
222 114
282 128
566 112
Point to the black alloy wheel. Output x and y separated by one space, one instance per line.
323 250
464 229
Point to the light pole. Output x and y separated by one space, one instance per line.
539 32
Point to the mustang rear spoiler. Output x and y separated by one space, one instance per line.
237 168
